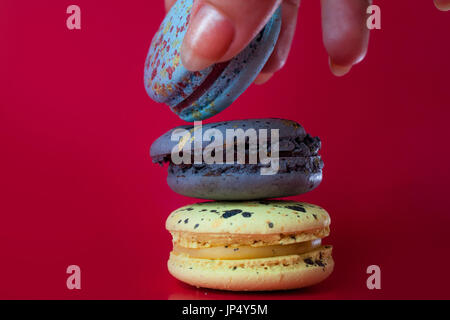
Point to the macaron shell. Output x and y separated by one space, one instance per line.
266 274
165 78
242 183
250 217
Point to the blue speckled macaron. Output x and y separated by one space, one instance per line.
202 94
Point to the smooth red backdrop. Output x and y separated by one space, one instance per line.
77 185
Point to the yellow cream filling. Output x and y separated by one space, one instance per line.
247 252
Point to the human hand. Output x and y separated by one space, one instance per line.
219 30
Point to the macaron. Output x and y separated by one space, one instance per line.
202 94
298 170
250 246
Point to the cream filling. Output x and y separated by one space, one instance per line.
247 252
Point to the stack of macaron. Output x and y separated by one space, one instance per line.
242 240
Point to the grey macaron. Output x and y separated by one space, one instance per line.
298 170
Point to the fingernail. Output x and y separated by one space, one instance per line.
263 78
338 70
208 38
442 5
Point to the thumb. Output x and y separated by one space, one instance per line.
219 30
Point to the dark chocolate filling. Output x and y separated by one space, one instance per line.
302 147
307 165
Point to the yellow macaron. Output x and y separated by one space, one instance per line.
250 246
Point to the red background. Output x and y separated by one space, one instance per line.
77 185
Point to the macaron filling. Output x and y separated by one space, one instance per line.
238 252
286 165
298 154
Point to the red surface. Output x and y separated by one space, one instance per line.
77 185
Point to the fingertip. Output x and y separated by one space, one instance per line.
344 32
442 5
361 56
338 70
263 78
347 48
